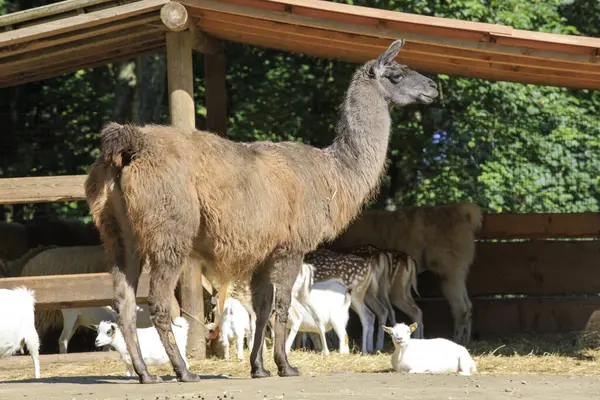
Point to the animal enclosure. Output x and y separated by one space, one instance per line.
532 272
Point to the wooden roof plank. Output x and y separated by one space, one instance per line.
46 11
67 37
79 22
415 61
241 22
383 27
60 53
339 11
114 55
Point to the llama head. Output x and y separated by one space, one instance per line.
399 84
400 333
106 333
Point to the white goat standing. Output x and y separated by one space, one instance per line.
435 356
90 317
152 349
235 324
330 301
18 324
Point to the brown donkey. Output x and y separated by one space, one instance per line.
251 210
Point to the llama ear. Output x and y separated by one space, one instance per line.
413 327
387 57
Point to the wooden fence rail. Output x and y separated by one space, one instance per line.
78 290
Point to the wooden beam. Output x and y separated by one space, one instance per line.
95 31
135 49
83 21
391 25
374 45
45 189
538 226
449 66
68 291
79 290
183 115
46 11
77 50
533 268
181 79
192 300
215 85
202 42
174 16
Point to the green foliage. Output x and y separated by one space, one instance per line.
508 147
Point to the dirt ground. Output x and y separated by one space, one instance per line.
353 385
521 368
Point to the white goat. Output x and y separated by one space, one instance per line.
90 317
235 324
330 301
17 326
435 356
153 351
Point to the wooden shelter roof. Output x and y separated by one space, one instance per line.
435 45
48 41
62 37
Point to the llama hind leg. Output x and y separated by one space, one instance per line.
284 274
166 269
262 302
125 280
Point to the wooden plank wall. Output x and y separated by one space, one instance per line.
553 278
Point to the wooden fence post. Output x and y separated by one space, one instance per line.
183 114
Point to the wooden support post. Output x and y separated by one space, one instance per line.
216 91
180 76
183 114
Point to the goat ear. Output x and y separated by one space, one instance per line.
413 327
387 57
387 329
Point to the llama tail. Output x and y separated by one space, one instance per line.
471 213
120 143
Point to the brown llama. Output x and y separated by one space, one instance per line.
252 210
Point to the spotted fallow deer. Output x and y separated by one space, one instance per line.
356 273
396 274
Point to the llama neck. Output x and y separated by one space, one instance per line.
361 142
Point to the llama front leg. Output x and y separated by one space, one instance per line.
262 302
284 273
162 286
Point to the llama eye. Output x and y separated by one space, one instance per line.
395 79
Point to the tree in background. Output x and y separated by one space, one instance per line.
508 147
